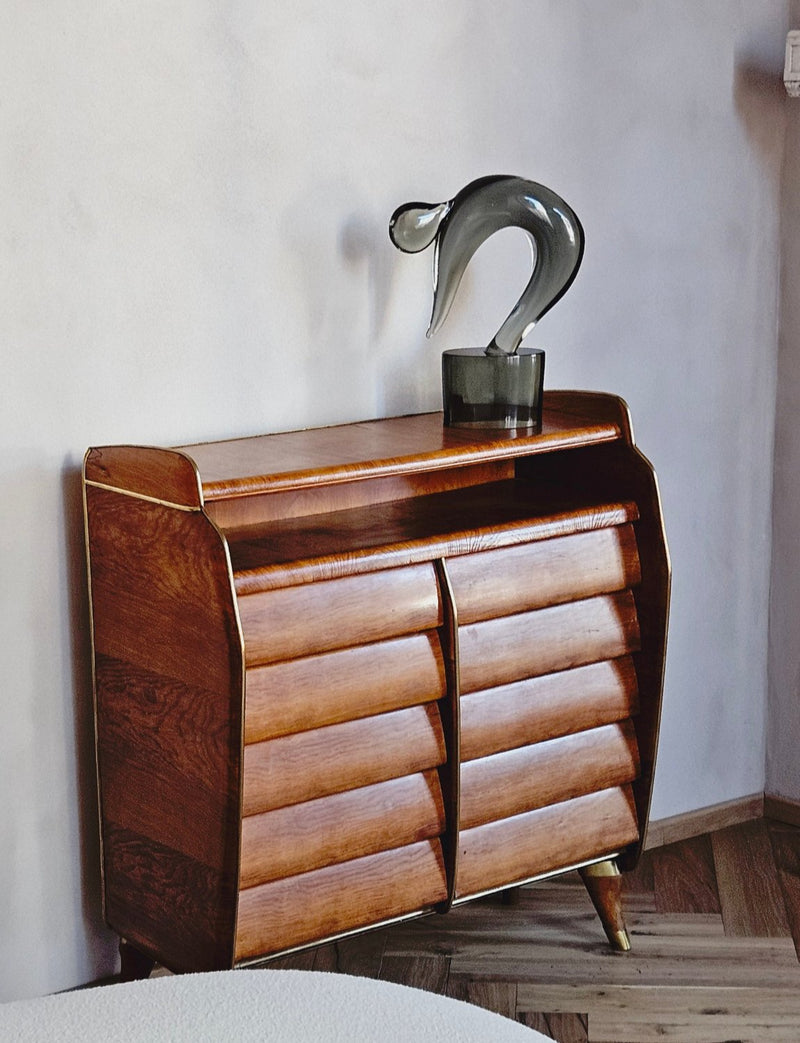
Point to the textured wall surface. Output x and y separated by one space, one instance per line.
783 735
194 200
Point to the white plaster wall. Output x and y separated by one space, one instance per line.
193 208
783 736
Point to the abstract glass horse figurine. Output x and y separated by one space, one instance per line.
460 225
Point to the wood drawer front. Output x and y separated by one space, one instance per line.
340 757
539 708
325 902
299 694
533 575
499 651
543 841
298 621
549 772
334 829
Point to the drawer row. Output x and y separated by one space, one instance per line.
347 781
403 881
296 621
407 808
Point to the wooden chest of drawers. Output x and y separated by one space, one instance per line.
355 674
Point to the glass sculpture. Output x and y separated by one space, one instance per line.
499 385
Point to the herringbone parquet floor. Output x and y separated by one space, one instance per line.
715 927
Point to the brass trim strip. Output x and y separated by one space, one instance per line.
237 869
258 961
95 731
142 496
533 879
450 774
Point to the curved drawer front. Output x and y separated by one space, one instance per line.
539 708
345 756
523 846
299 694
302 837
548 572
529 777
297 621
499 651
325 902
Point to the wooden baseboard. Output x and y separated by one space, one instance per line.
782 809
705 820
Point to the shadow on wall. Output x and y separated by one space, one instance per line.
101 942
759 97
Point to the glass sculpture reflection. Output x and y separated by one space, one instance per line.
460 225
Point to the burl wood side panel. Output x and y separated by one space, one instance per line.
168 679
326 902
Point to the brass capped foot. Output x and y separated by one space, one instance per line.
603 881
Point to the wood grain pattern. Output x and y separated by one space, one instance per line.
619 469
529 644
546 773
340 898
298 621
329 760
333 535
345 825
750 892
240 513
684 879
168 690
170 906
389 535
163 474
540 708
313 691
395 446
544 840
534 575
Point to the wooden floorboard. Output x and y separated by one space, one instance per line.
750 891
715 930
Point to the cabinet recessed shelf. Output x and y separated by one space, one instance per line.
350 675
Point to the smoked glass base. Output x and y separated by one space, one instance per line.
480 390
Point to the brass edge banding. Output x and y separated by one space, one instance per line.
533 879
450 839
243 672
93 654
141 496
258 961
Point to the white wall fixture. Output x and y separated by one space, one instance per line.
791 69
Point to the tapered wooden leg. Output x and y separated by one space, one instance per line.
134 964
603 881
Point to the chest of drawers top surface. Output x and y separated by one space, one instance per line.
205 472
